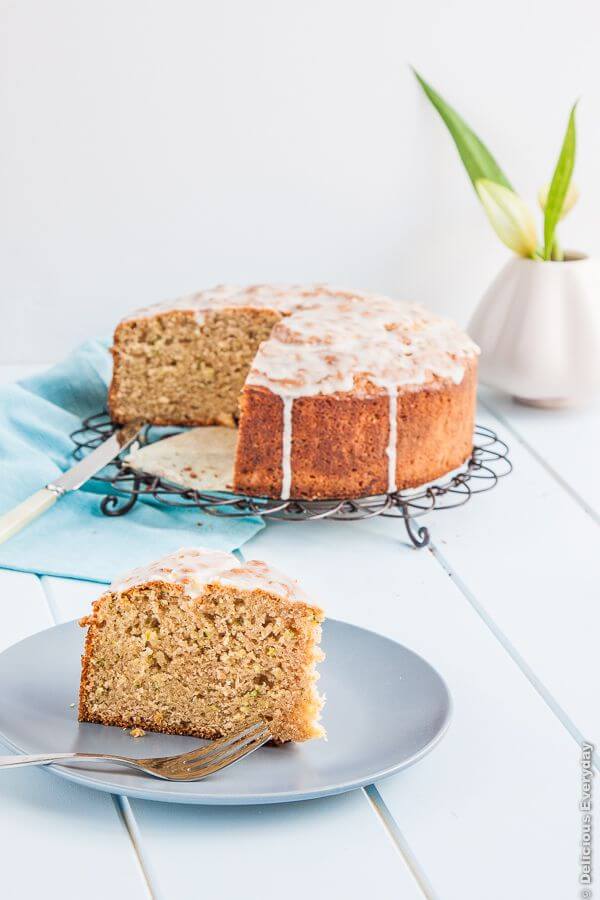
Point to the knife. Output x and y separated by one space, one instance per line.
16 519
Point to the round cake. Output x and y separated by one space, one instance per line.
336 393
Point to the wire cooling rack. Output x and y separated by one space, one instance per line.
488 463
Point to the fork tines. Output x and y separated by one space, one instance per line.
239 745
218 754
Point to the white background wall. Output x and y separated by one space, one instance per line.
151 148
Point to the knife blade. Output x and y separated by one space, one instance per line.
91 464
16 519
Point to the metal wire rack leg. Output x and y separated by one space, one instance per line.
115 505
419 535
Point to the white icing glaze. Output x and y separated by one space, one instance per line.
223 296
393 439
286 448
195 567
332 340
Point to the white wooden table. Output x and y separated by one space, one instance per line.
505 604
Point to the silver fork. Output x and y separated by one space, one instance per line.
190 766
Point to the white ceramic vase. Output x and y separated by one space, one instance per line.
538 326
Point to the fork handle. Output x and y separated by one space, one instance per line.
44 759
39 759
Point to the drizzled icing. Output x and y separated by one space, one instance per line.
392 440
286 447
195 567
223 296
331 340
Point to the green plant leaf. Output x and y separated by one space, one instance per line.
559 185
571 198
477 159
509 215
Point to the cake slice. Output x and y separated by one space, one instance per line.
201 644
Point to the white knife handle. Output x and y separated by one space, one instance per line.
16 519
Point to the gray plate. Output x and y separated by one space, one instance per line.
386 708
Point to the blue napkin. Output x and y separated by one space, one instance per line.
74 539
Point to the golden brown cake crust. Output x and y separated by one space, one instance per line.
339 441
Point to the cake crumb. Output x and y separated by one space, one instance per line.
137 733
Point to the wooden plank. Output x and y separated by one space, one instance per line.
24 605
334 847
70 598
50 821
566 441
479 809
526 551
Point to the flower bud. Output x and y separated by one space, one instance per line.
509 216
570 200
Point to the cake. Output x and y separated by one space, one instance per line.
201 644
337 393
